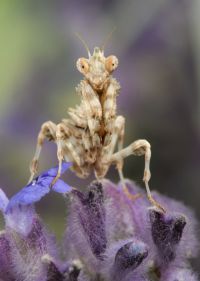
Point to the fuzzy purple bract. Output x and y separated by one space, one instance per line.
108 236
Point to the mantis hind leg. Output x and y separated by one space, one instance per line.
120 163
117 138
139 148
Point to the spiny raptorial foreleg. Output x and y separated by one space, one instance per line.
93 110
110 104
116 137
68 148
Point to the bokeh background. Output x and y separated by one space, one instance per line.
158 46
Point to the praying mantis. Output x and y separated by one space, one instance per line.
89 137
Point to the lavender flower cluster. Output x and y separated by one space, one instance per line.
108 236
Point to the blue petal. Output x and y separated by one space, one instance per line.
44 181
3 200
61 187
53 171
28 195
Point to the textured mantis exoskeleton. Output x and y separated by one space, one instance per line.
89 137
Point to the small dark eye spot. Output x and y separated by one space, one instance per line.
83 66
113 64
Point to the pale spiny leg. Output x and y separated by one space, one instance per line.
59 141
118 138
121 163
63 140
48 131
109 108
138 148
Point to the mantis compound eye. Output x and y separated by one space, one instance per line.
82 65
111 63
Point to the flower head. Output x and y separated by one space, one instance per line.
25 239
108 236
119 239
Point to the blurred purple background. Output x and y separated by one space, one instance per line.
158 46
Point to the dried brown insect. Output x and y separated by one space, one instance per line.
89 136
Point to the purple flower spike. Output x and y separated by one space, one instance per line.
108 237
127 259
20 219
91 215
71 272
179 274
38 238
118 239
27 251
131 255
5 259
53 273
167 231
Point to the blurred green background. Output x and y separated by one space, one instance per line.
158 46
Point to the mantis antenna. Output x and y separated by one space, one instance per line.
84 43
108 38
